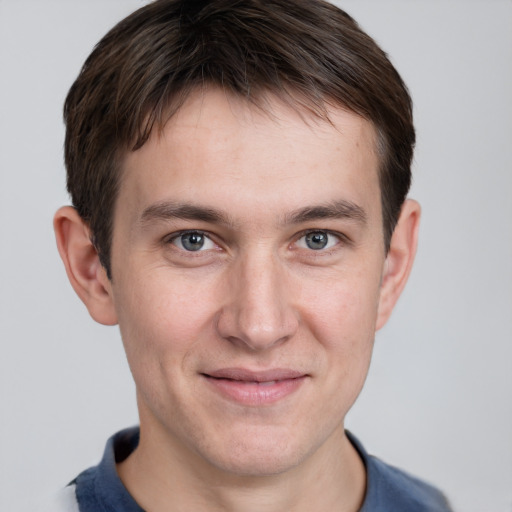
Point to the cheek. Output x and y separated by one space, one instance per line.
343 320
345 307
161 320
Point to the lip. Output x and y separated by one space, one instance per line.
256 388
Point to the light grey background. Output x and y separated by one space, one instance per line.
438 400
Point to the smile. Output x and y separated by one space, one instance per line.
255 388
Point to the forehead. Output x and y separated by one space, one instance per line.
218 145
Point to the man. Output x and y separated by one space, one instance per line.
239 173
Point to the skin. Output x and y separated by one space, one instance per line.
255 297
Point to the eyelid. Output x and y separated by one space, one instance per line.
169 239
342 239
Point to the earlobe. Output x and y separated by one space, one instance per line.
85 272
399 260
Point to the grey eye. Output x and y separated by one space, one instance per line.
193 241
317 240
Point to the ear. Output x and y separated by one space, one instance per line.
399 260
85 272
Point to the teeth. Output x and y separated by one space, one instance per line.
267 383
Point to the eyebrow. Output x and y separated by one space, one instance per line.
341 209
168 210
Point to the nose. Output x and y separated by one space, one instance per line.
258 313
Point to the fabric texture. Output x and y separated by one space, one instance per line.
389 489
99 489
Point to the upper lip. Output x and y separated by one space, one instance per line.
245 375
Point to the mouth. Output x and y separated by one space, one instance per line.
258 388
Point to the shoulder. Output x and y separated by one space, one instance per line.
390 489
404 491
99 487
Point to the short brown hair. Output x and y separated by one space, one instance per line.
307 52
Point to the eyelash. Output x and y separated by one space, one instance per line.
341 239
176 236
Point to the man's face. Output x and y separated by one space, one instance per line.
247 258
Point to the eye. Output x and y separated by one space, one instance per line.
318 240
193 241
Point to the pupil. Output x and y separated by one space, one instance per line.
193 241
316 241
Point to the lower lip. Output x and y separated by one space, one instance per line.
253 393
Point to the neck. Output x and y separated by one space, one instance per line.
163 476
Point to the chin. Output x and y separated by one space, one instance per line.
258 465
258 456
